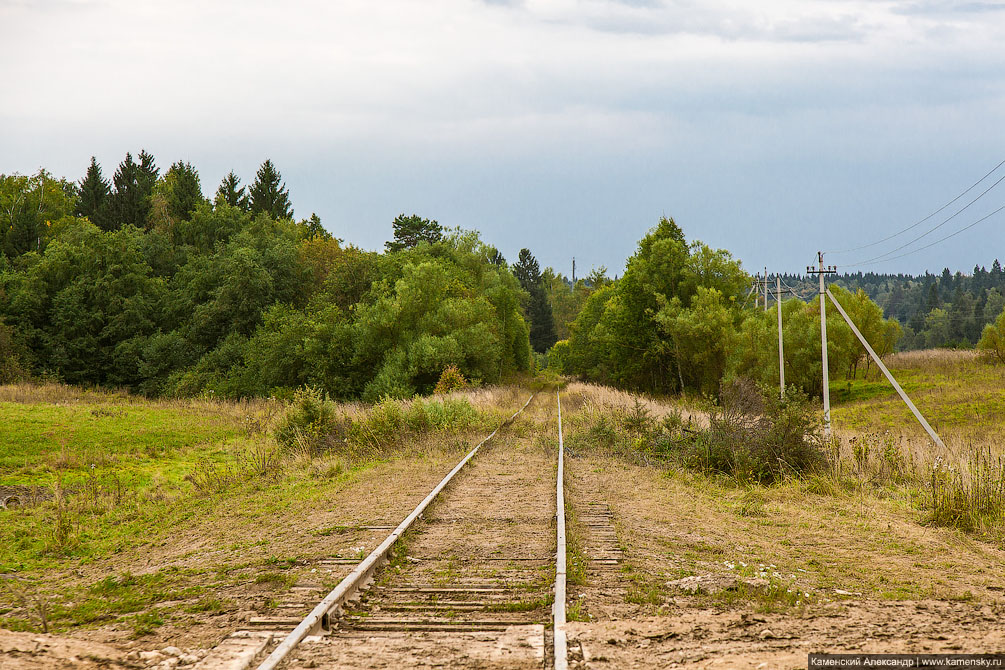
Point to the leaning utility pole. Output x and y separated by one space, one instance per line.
823 335
781 359
879 362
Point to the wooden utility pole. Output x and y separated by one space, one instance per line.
765 288
781 358
821 271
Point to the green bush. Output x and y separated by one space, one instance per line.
754 436
311 424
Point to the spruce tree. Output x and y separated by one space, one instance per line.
269 194
542 320
93 196
134 183
182 190
232 193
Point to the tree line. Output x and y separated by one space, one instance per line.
142 282
945 310
681 319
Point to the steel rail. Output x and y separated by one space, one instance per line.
320 616
561 643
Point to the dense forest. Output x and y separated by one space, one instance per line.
142 282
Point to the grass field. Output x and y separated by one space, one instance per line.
135 512
862 527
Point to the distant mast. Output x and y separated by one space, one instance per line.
573 270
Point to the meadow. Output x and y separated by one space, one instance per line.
136 514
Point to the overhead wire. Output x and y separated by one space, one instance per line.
918 223
884 256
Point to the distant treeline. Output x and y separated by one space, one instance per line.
143 282
947 310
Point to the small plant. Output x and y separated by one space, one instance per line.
310 424
146 623
970 499
451 379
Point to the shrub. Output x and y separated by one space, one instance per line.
310 424
755 436
752 436
451 379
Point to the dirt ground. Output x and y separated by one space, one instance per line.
677 570
482 561
706 582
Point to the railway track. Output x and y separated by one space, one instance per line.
478 580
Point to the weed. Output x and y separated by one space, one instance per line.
577 612
275 580
576 562
752 503
146 623
519 605
969 498
209 605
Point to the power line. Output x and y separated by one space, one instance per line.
918 223
882 259
931 230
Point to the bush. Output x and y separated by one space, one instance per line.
754 436
451 379
311 423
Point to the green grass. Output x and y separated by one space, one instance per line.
140 444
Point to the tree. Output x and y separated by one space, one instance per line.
29 209
410 230
269 194
937 330
182 190
617 339
232 193
542 321
992 340
93 195
526 270
313 228
993 306
130 202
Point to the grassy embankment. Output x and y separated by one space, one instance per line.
149 510
868 521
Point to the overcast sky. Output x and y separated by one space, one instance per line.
771 128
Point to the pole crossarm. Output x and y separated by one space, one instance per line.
903 396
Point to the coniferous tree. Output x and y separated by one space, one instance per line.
232 193
410 230
542 321
134 183
94 195
269 194
182 190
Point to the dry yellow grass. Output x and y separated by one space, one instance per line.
960 393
